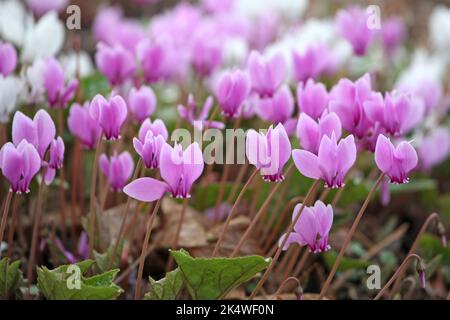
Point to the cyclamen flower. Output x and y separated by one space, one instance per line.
19 165
56 159
278 108
178 168
155 58
8 59
269 152
310 132
310 64
142 103
197 118
115 62
312 98
206 54
39 131
332 162
150 141
58 95
110 114
395 162
40 7
347 100
83 126
353 26
434 148
118 169
398 113
312 227
392 33
232 89
266 74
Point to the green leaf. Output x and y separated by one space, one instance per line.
346 263
11 277
167 288
61 283
93 84
103 259
213 278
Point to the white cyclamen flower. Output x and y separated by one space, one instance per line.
10 89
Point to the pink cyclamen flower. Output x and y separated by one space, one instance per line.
197 118
179 169
312 98
83 126
110 114
150 141
269 152
395 162
266 74
157 127
58 95
310 132
312 227
232 89
39 131
347 99
353 26
115 62
118 169
8 59
332 162
19 165
155 57
41 7
206 54
56 159
434 148
278 108
142 103
392 33
312 63
398 113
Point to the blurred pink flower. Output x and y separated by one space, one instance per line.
83 126
434 148
41 7
277 108
115 62
8 58
118 169
110 114
58 94
266 74
141 103
312 98
232 89
312 63
197 118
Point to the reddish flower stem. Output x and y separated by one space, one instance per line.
5 215
13 226
177 234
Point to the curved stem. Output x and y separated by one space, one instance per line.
336 264
432 217
34 237
137 292
5 215
283 284
311 191
397 273
13 226
124 219
177 234
233 209
258 216
91 226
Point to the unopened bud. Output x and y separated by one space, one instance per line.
441 231
421 271
299 293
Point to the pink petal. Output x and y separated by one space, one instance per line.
145 189
384 153
307 163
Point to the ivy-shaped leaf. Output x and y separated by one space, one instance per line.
103 259
61 283
11 277
213 278
167 288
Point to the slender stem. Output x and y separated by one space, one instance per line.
5 215
12 228
91 227
349 236
283 284
237 182
301 263
35 234
62 177
292 261
397 273
178 232
226 170
233 209
311 191
431 218
137 293
125 215
74 187
258 216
